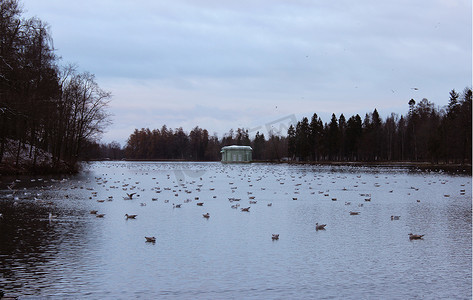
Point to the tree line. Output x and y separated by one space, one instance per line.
426 133
42 104
198 145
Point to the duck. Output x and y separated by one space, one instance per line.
395 218
415 236
207 215
93 212
150 239
275 236
354 213
320 227
176 205
245 209
200 203
130 216
270 204
100 215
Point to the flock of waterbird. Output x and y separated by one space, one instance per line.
181 190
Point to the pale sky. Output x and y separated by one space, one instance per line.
228 64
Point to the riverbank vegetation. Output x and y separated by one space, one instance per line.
425 134
44 107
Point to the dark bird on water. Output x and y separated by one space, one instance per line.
150 239
130 196
320 227
415 236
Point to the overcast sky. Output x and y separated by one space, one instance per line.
229 64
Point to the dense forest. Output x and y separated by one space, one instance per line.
44 107
425 134
166 144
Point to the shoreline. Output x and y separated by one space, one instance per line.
27 170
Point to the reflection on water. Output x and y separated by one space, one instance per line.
231 254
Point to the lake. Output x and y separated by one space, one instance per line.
231 254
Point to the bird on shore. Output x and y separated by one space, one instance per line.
415 236
320 227
130 216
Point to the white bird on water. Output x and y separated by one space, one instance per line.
51 216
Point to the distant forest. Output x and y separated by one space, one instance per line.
425 134
43 106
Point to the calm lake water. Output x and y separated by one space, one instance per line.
231 254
